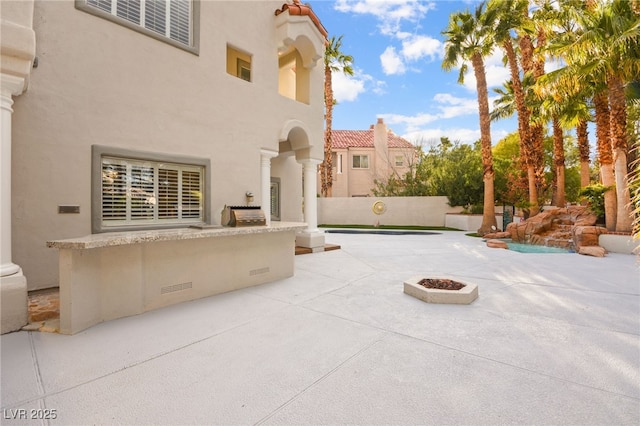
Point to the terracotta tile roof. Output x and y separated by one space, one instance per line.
297 8
343 139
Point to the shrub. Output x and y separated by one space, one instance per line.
594 195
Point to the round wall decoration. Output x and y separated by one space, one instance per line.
379 207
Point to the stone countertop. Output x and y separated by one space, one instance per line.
109 239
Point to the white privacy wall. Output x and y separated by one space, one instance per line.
417 211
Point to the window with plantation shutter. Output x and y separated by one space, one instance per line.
190 193
180 17
135 192
170 19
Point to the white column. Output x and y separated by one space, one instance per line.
10 85
310 172
265 186
311 237
13 284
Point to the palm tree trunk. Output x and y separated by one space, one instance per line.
561 200
537 159
533 194
605 157
524 131
327 166
536 132
583 146
558 159
624 218
618 129
489 222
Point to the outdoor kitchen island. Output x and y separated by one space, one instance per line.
114 275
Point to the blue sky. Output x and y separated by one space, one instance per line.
397 47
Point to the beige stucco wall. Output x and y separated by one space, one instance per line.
417 211
470 222
18 38
360 182
100 83
149 274
289 171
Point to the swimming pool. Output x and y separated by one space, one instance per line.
379 231
532 248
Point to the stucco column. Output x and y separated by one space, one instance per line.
311 237
265 186
13 284
10 85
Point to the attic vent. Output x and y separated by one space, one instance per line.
259 271
175 287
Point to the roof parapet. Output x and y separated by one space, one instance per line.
299 9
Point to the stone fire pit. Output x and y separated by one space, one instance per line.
463 296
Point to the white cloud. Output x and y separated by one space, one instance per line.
451 106
347 88
447 106
430 137
419 46
464 110
414 48
391 16
390 13
411 123
391 62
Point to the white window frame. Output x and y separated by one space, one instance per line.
108 9
133 190
361 157
399 160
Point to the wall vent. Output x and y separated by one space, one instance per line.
259 271
175 287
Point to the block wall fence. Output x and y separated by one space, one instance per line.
413 211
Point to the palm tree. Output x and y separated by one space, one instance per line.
469 39
334 61
605 156
587 49
610 45
564 98
511 15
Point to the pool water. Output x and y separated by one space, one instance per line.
379 231
532 248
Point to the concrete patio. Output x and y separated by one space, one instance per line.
552 339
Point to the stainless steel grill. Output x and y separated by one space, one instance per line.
237 216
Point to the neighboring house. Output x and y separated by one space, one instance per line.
132 115
361 157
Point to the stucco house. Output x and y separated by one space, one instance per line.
125 118
362 156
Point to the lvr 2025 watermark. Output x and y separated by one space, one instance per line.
29 414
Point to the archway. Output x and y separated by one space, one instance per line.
295 166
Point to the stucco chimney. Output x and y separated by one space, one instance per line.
380 142
380 133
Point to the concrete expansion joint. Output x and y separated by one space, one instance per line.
36 365
319 380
